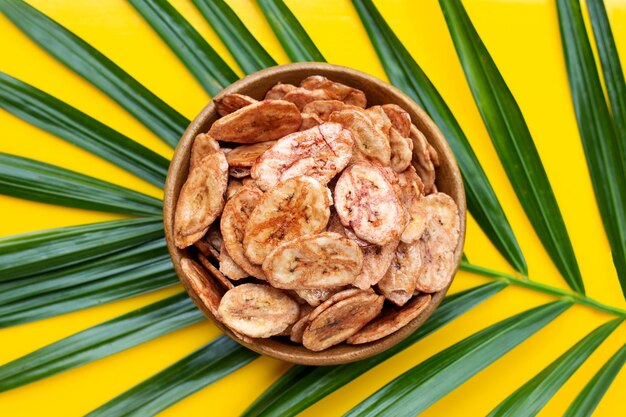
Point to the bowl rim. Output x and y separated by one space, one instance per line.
284 350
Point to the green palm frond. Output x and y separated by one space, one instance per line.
604 147
38 181
406 74
66 122
198 56
511 138
243 46
420 387
99 70
530 398
303 386
192 373
589 398
290 33
105 339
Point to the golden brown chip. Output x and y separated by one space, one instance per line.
309 121
399 118
401 152
249 181
204 286
424 165
390 321
229 103
438 243
296 207
324 108
305 309
298 328
233 223
341 320
201 198
411 189
320 152
399 283
246 155
278 91
434 156
367 202
301 96
215 273
316 296
324 260
370 142
234 185
203 145
335 226
335 90
239 172
205 248
185 241
376 262
229 267
259 122
380 119
257 310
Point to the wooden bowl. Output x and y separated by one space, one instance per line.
378 92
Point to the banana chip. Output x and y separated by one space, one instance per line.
421 155
411 190
239 172
232 225
380 119
301 96
335 90
438 243
316 296
234 185
335 226
228 266
215 273
341 320
376 262
203 145
257 310
208 291
325 260
230 103
324 108
258 122
201 198
296 207
246 155
400 119
278 91
390 321
367 202
399 283
324 151
401 151
370 141
309 121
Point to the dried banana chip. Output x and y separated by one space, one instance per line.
301 97
341 320
438 243
259 122
411 189
230 103
315 296
376 262
309 121
380 119
421 155
325 260
367 202
278 91
324 108
335 90
327 149
229 267
206 249
239 172
186 241
370 142
434 156
204 286
399 283
293 208
246 155
390 321
401 152
233 223
257 310
298 327
215 273
305 309
203 145
400 119
201 198
335 226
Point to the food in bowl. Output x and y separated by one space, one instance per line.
315 218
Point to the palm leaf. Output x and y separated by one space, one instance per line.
192 373
597 130
290 33
530 398
204 63
112 80
38 181
53 115
512 140
303 386
418 388
406 74
105 339
589 398
242 45
38 252
122 275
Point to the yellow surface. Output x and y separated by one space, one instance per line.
523 39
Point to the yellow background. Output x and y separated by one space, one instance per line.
523 39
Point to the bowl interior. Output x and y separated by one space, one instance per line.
448 181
